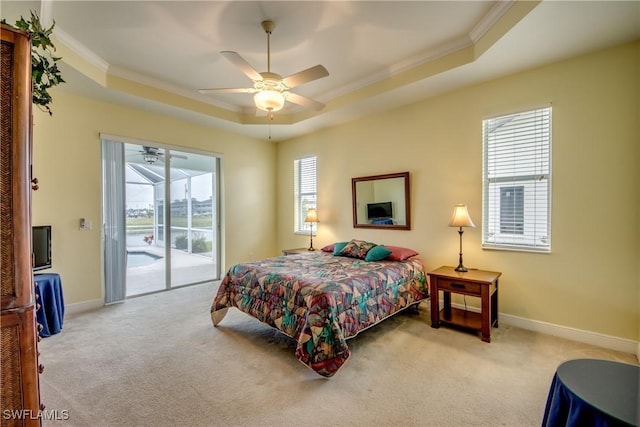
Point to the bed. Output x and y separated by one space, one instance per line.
320 299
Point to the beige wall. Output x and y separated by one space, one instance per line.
590 281
66 160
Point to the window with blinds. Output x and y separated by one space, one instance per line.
517 181
305 191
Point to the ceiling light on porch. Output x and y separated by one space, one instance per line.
149 158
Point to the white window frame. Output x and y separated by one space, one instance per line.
517 153
305 189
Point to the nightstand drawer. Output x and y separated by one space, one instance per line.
459 286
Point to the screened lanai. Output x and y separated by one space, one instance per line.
174 245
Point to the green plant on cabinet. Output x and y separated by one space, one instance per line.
44 65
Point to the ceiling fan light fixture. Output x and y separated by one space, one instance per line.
269 100
150 158
270 90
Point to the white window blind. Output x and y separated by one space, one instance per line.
305 191
517 181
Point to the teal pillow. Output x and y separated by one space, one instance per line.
338 247
377 253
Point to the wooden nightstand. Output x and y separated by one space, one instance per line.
296 251
476 283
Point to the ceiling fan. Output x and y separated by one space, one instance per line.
272 90
153 154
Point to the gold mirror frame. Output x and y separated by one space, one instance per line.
400 195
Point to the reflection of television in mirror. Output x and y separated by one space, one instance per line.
379 210
41 244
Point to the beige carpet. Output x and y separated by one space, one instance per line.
158 361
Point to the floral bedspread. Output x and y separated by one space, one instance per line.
321 300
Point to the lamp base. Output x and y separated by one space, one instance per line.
311 239
461 268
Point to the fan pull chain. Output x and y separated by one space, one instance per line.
270 115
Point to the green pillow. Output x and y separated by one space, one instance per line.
338 247
377 253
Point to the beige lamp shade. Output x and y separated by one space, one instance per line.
460 217
312 215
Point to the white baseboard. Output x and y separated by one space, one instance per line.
601 340
83 306
587 337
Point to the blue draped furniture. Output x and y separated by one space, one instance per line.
590 392
48 290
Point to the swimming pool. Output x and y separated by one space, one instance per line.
140 258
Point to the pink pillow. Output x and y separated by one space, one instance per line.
399 253
328 248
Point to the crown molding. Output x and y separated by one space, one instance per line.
81 50
490 19
162 85
430 55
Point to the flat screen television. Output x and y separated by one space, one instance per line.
379 210
41 244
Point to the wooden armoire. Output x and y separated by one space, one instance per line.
20 395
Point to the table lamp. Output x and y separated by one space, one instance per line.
461 218
312 216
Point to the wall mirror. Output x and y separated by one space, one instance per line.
382 201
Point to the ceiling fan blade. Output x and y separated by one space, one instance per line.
179 156
305 76
227 90
304 101
243 65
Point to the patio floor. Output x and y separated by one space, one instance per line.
186 269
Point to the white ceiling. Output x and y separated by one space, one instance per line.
380 54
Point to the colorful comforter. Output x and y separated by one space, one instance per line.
320 300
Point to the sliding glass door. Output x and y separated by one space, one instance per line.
167 244
144 193
193 213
